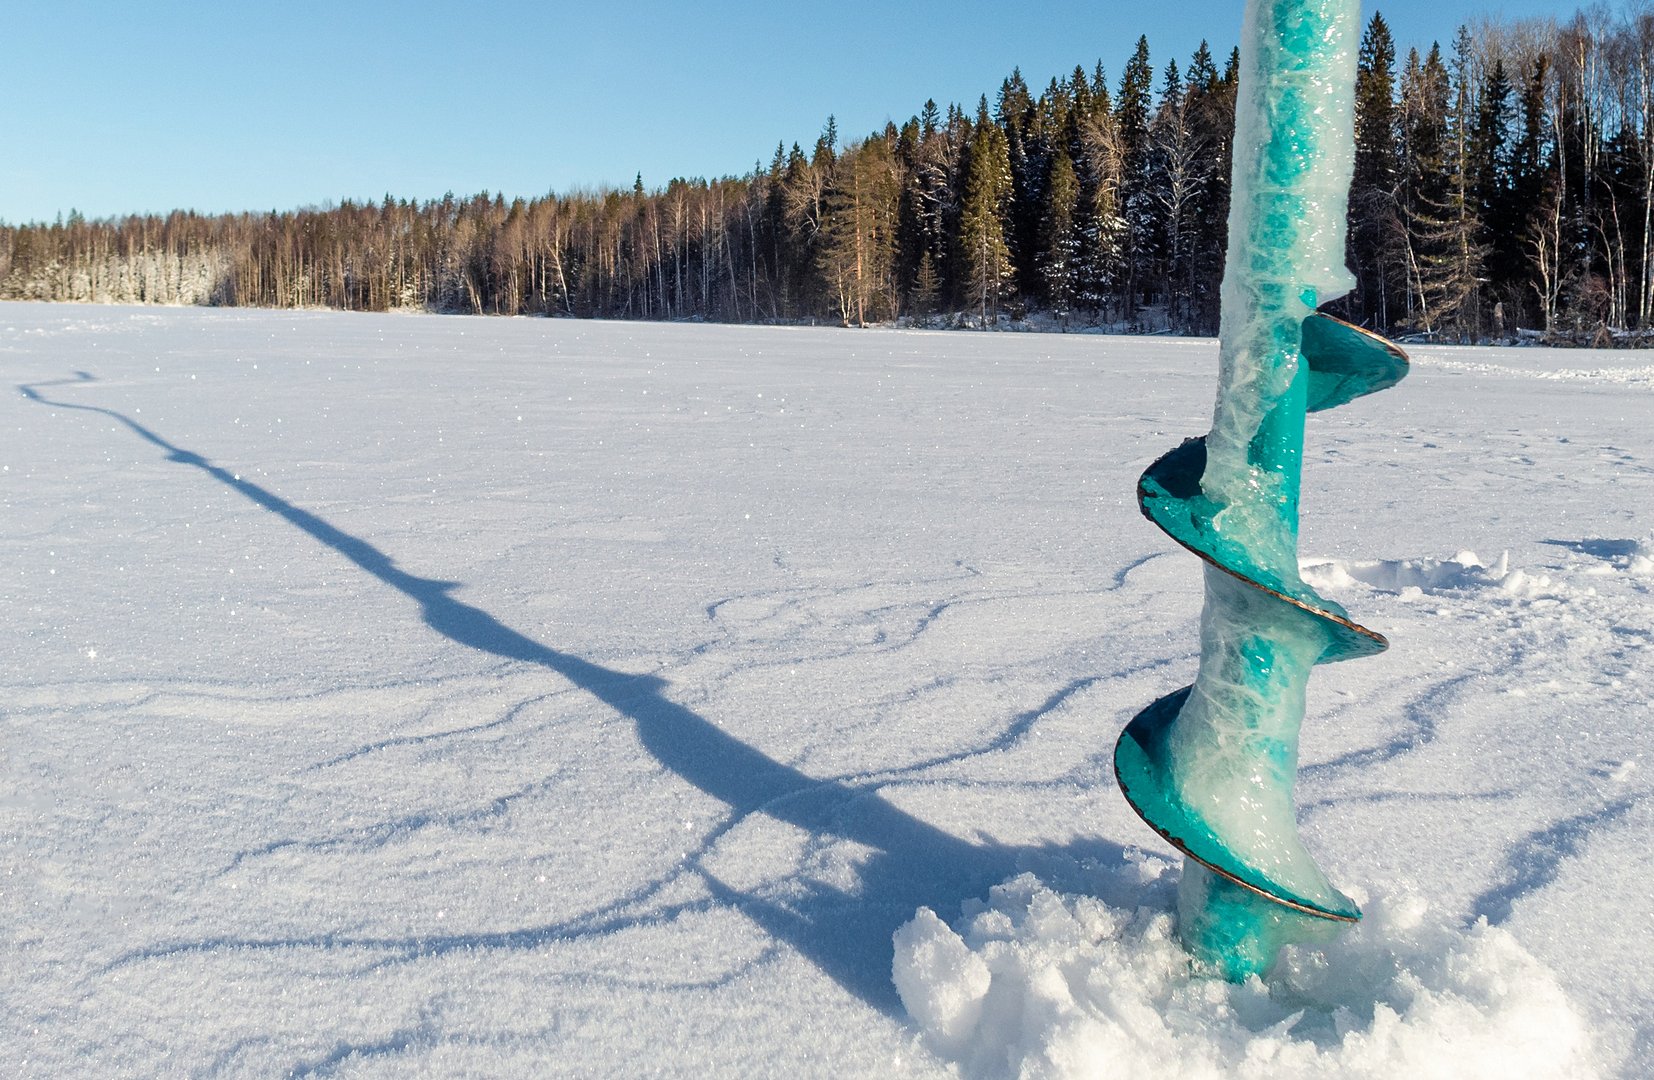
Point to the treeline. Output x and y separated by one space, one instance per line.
1506 185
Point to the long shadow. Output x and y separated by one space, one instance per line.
1537 858
846 935
1423 729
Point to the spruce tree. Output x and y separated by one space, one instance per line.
1079 89
1017 115
1211 120
1424 188
1175 181
1491 190
1466 254
1532 194
930 201
1131 106
927 288
984 255
1131 112
929 118
1203 74
1096 151
772 236
803 190
1059 261
1377 255
1443 221
909 227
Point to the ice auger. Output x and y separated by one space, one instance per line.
1212 766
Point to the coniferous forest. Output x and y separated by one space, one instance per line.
1502 184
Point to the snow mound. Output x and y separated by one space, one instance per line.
1410 578
1041 983
1641 559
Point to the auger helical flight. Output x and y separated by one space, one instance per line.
1212 766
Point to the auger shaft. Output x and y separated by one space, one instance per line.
1235 744
1293 159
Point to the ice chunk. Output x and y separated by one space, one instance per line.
941 982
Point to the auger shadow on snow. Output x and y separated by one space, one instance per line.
847 935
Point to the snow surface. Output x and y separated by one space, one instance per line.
400 695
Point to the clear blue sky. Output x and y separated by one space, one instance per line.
115 107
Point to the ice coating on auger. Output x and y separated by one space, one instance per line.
1293 159
1234 747
1213 767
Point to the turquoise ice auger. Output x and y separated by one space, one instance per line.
1212 767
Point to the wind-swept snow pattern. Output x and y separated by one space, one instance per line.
1212 767
521 697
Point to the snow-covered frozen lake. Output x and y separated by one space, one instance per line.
401 695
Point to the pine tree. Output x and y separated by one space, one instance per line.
857 252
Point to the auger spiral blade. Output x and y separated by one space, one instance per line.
1343 362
